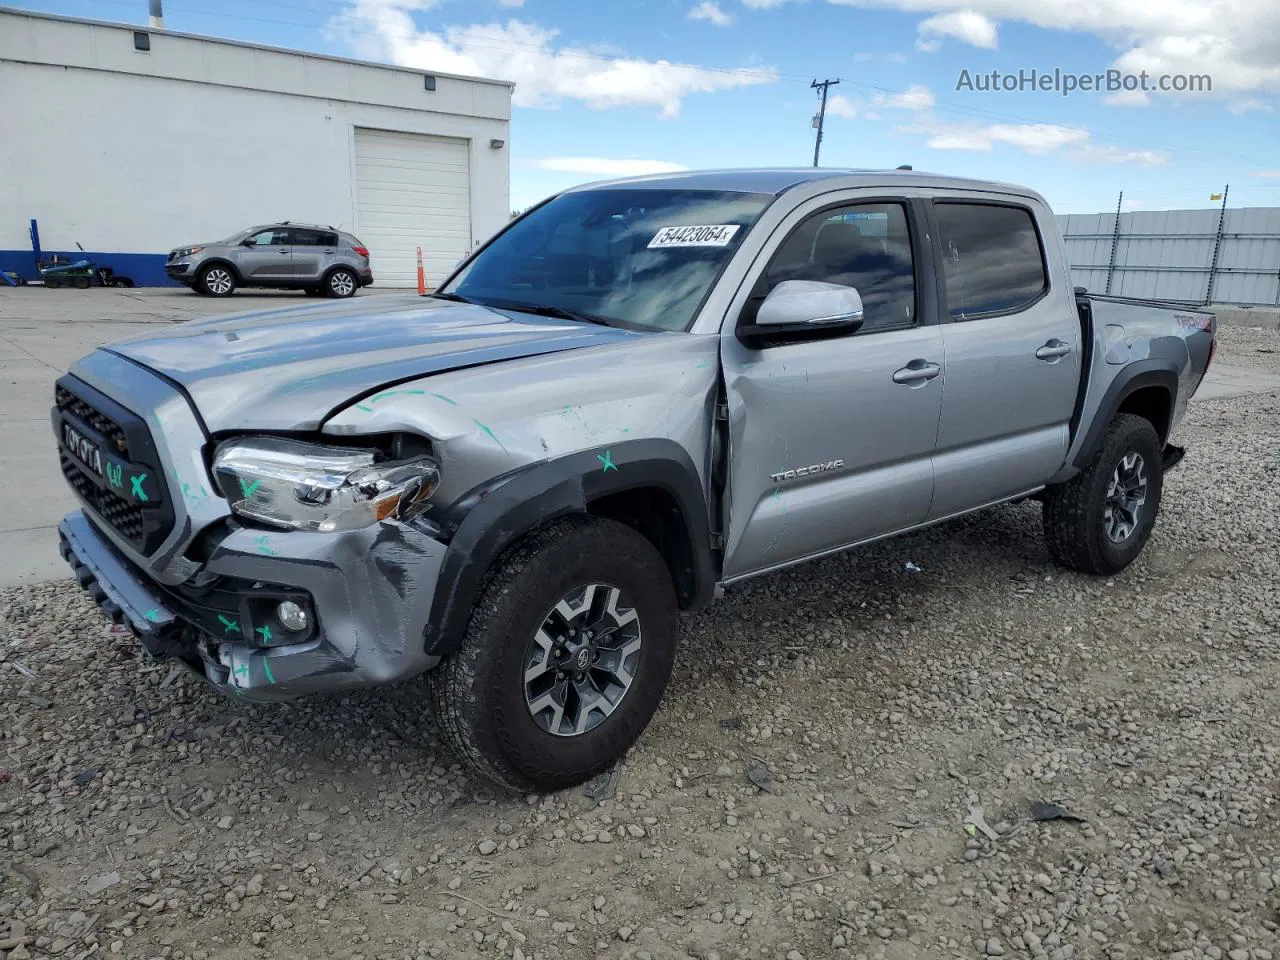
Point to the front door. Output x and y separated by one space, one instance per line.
1012 345
267 255
831 441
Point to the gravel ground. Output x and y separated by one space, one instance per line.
803 792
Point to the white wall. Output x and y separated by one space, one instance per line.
135 163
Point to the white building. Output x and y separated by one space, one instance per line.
131 141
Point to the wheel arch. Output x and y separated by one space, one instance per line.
1148 389
651 485
219 262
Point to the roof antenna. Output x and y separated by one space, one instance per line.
905 166
157 15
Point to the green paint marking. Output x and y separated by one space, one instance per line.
153 615
702 364
361 406
777 493
441 396
266 668
231 625
136 482
391 393
626 429
242 670
115 475
492 436
266 633
607 460
264 547
248 488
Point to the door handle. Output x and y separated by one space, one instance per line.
1053 351
916 373
284 253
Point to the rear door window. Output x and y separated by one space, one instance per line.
992 259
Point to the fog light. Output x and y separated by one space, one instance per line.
292 616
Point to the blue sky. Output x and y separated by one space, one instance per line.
641 85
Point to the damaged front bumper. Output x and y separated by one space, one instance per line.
366 595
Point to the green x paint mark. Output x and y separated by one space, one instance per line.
607 461
266 633
492 436
263 547
137 487
242 671
153 615
231 626
248 488
192 495
115 475
266 668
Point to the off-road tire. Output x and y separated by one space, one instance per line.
478 694
225 276
1073 511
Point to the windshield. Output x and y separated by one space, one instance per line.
635 258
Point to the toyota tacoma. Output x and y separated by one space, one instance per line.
637 393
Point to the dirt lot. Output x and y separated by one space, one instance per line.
802 794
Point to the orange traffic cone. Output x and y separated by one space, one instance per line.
422 277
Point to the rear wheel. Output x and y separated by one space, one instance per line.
342 283
218 280
1099 521
565 658
82 283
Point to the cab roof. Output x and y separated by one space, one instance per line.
775 181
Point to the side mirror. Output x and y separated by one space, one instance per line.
250 242
804 310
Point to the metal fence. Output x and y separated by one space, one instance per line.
1188 256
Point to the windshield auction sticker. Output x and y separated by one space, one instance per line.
710 235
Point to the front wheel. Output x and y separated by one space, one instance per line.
218 281
565 658
1099 521
342 283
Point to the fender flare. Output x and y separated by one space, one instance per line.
491 517
1137 376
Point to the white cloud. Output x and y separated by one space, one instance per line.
545 74
1264 173
973 28
915 97
710 11
838 105
1106 153
608 167
511 3
892 57
1128 98
1252 103
1237 42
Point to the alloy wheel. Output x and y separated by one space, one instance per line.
218 281
582 661
1126 493
342 284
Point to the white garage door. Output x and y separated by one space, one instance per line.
412 191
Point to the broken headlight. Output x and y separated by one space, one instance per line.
310 486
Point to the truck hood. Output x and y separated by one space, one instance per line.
289 369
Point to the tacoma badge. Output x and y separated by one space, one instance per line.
807 471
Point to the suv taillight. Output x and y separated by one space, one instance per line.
363 251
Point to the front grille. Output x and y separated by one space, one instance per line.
68 402
124 436
126 518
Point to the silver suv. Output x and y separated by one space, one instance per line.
289 256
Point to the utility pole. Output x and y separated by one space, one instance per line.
822 113
1217 243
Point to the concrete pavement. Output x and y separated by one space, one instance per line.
42 332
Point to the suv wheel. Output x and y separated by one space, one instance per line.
342 283
1099 521
218 280
565 658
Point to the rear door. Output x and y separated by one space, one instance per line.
268 257
313 252
827 448
1012 341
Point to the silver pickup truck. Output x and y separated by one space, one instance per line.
636 394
